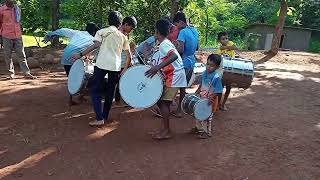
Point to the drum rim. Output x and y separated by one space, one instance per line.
83 76
201 100
184 99
120 89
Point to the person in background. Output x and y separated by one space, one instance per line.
128 24
10 31
227 48
79 40
187 44
111 42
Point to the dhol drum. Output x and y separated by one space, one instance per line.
139 91
238 72
197 107
79 76
199 68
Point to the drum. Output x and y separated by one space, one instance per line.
238 72
139 91
196 107
79 76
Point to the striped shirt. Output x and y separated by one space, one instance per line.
79 41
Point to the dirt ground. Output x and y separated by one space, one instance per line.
271 132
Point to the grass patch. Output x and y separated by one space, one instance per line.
29 40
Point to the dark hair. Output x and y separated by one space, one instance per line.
180 16
222 34
166 18
92 28
163 27
131 21
215 58
115 18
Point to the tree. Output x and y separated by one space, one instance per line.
55 20
174 8
279 28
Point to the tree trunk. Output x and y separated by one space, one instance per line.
207 26
174 8
55 20
279 28
100 9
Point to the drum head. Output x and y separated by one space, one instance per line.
202 110
76 77
139 91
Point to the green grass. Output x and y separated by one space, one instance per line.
314 46
29 40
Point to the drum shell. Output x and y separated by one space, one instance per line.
192 104
237 80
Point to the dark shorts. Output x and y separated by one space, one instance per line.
189 72
67 69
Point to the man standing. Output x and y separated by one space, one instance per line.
10 30
187 44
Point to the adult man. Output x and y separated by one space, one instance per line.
187 44
10 30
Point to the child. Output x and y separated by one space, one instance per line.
172 67
128 24
227 48
111 43
211 88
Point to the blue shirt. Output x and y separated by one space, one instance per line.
79 41
190 37
151 41
211 82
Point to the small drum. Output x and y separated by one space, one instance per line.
79 76
238 72
139 91
196 107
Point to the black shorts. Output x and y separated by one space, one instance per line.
189 72
67 69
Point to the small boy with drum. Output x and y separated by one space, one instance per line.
210 88
171 65
227 48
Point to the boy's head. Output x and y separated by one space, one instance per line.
180 20
223 38
115 19
9 3
92 28
213 62
162 28
129 23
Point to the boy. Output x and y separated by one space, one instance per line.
128 24
172 67
211 88
227 48
111 43
187 44
79 40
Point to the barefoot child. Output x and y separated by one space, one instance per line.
211 88
227 48
172 67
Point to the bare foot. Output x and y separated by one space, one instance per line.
176 114
223 108
164 135
72 103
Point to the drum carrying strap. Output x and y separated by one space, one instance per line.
215 101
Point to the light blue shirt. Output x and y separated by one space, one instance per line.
151 41
211 82
190 37
79 41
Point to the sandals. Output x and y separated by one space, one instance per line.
203 135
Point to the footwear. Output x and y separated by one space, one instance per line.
203 135
11 76
96 123
194 130
177 115
29 76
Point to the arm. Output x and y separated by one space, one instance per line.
1 17
69 33
96 45
128 59
233 47
151 72
180 46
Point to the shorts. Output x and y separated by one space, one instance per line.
67 69
189 72
169 93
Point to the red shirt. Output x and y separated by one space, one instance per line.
174 32
9 27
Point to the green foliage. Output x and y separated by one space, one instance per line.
314 45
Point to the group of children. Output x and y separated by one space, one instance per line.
178 43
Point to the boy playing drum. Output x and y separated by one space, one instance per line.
174 76
211 88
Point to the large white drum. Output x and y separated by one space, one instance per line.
139 91
78 76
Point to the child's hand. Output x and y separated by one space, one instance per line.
152 71
198 91
75 57
224 47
